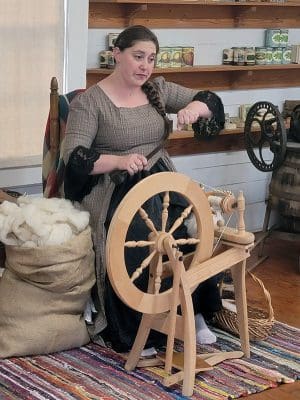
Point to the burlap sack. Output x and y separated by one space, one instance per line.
43 293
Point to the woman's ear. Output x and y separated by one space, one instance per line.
116 54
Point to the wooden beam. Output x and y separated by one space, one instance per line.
221 77
199 14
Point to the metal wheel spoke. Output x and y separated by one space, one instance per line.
185 213
144 264
147 220
165 212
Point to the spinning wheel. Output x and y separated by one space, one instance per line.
265 136
162 183
164 258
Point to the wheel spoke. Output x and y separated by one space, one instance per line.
140 243
260 152
159 268
187 241
185 213
144 264
147 220
165 213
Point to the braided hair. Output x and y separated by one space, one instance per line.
154 99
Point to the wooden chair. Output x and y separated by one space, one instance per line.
53 165
159 308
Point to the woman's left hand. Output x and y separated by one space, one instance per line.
190 113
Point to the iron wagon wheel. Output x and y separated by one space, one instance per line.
163 184
265 136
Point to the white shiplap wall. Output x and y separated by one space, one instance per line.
230 171
23 179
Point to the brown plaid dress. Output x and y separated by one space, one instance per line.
94 121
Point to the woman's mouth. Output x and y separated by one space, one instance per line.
142 76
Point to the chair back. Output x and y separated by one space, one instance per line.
53 166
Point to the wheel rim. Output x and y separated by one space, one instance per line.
116 239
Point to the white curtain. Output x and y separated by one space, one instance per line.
32 46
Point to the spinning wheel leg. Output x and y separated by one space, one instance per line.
139 343
190 352
238 276
181 289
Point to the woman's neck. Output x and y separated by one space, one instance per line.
122 94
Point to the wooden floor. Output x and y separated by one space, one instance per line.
280 274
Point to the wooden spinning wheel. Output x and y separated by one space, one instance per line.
164 182
164 258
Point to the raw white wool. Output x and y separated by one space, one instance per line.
37 222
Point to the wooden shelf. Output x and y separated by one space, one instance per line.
187 144
174 14
198 14
222 77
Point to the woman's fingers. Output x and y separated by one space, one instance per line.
135 163
186 116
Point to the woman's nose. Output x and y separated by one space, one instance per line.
143 64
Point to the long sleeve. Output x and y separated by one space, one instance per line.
176 97
212 126
78 181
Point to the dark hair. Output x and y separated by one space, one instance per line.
133 34
152 93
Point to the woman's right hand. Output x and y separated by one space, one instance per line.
108 163
132 163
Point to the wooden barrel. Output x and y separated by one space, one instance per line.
285 188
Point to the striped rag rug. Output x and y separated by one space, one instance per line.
94 372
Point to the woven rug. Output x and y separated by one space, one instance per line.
94 372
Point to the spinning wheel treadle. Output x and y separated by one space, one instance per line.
265 136
162 183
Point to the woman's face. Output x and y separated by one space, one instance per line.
136 63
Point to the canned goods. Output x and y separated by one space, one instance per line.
272 38
284 37
175 57
187 56
249 56
163 57
260 55
106 59
227 58
111 40
277 55
269 55
295 56
238 56
287 55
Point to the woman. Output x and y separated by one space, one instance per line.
113 126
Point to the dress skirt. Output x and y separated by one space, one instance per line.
122 321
